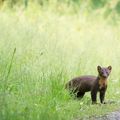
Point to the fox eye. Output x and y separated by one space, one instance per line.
107 72
101 72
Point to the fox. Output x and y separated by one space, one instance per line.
90 83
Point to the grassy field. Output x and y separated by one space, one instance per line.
50 50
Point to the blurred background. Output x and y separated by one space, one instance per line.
44 44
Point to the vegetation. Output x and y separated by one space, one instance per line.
42 46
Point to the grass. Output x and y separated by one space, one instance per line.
50 50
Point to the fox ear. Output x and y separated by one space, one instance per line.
109 67
98 68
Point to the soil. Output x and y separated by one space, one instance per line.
111 116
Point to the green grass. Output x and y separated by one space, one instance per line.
50 50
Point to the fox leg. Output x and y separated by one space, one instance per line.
102 96
94 97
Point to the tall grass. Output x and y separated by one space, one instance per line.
50 50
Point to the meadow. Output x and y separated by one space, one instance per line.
41 50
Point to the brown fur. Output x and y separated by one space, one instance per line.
79 85
102 83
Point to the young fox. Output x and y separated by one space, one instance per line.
82 84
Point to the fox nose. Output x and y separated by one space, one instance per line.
105 76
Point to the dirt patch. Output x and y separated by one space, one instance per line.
111 116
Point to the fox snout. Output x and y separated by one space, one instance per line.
104 75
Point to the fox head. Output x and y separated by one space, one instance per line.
104 72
